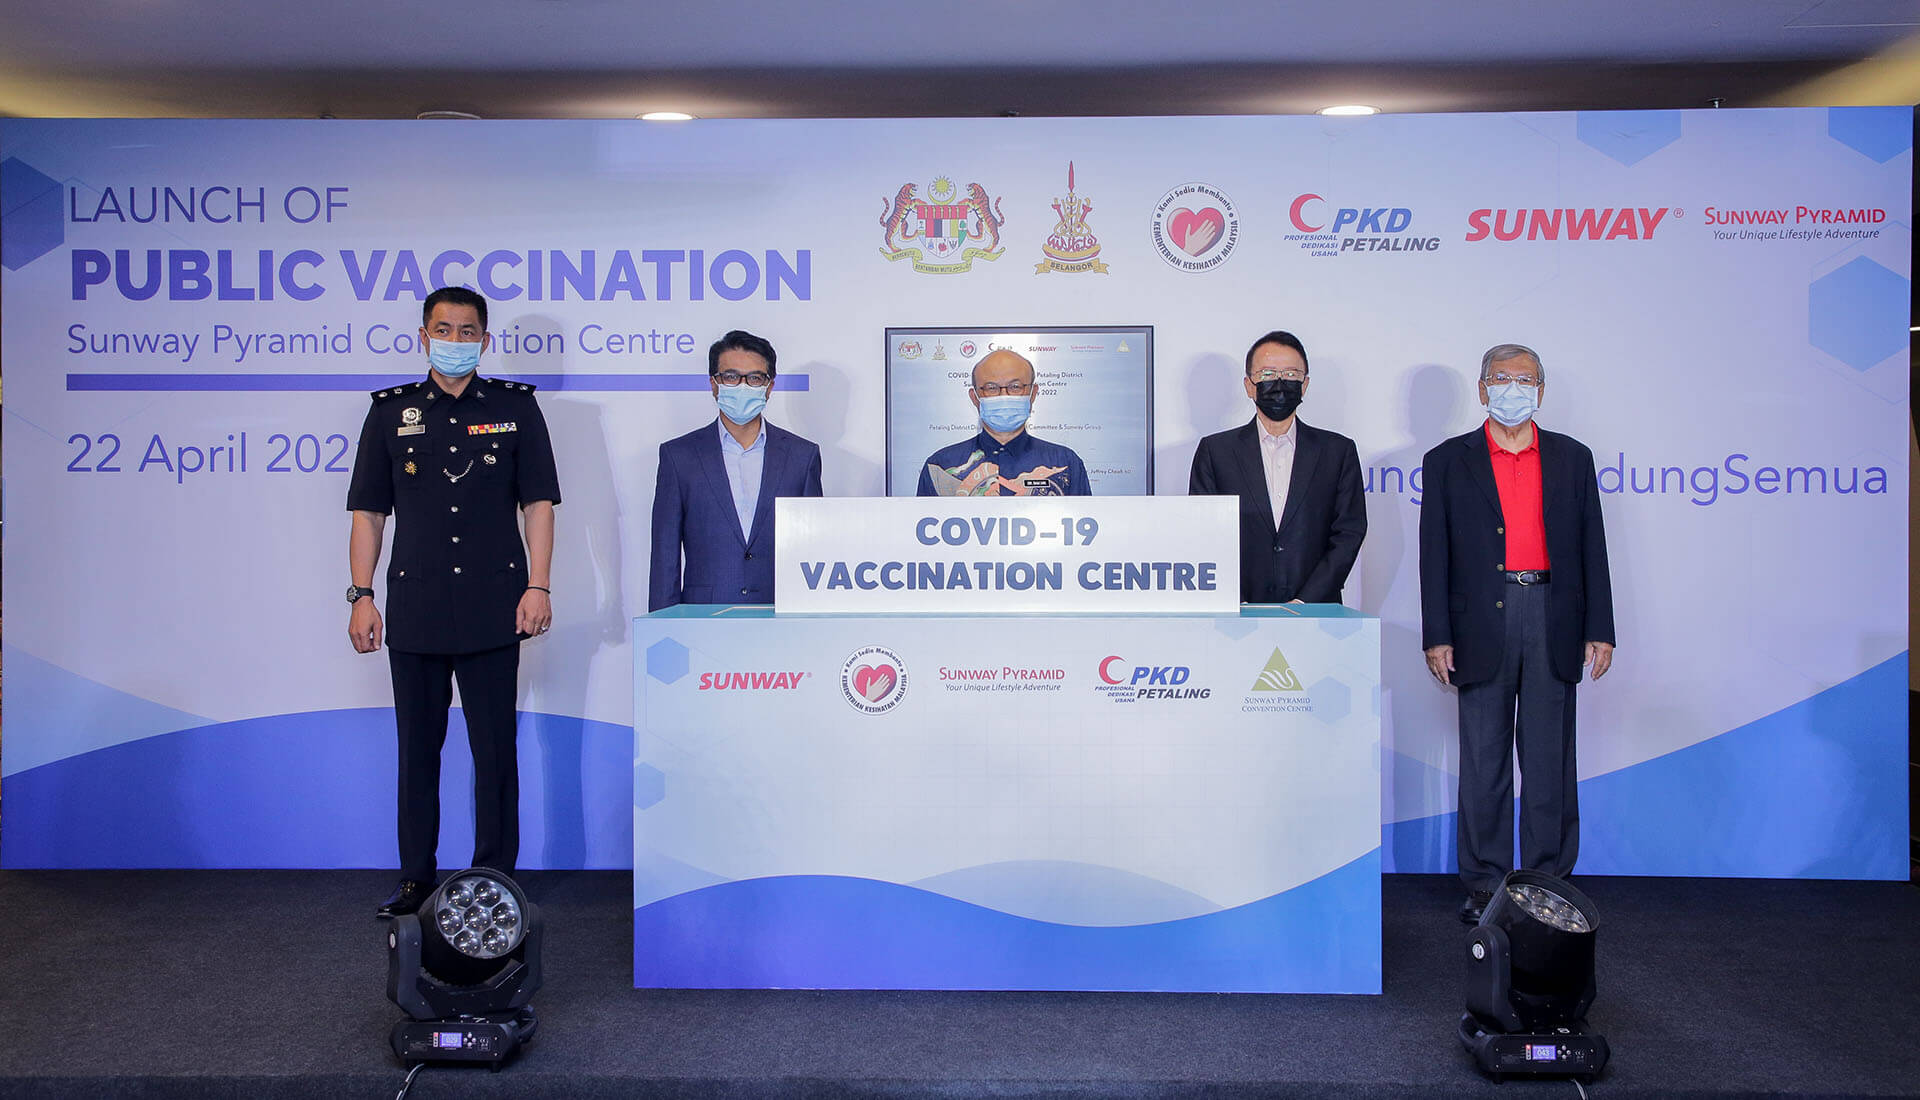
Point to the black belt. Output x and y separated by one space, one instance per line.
1528 576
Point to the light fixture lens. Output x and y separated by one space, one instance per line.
666 116
1344 110
1549 908
480 916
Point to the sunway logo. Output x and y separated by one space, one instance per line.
750 681
1628 223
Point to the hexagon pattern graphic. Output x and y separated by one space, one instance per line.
30 218
1341 628
1235 627
1855 313
1878 133
1331 699
649 785
666 660
1628 136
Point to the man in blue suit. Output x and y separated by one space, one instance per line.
713 502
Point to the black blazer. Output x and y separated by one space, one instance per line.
1308 554
1463 539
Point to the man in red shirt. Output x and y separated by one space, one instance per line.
1515 601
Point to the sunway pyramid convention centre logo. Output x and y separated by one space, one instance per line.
874 679
1277 689
1277 676
944 232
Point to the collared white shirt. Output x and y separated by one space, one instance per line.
744 467
1276 455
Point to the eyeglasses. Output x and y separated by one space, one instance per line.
733 378
995 389
1280 375
1502 378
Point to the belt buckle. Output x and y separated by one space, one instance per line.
1529 576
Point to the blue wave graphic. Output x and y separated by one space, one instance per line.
823 932
55 713
1815 790
1067 892
311 790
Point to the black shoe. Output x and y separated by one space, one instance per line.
1476 904
406 898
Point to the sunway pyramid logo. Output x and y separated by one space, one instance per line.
1278 675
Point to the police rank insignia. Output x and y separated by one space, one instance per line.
492 429
410 467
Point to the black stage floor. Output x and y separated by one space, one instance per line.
270 984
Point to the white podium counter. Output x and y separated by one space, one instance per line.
1088 802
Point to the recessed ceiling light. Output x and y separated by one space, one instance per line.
447 114
666 116
1346 109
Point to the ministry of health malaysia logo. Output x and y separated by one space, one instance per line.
1195 227
946 231
874 680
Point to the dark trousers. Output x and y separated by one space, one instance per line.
1523 706
422 692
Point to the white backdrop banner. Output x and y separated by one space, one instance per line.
194 312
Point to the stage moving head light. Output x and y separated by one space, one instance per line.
1530 981
464 969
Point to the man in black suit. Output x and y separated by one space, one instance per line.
1515 599
1302 509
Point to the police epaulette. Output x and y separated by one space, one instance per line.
523 387
384 395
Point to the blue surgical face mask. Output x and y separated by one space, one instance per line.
1513 404
742 403
452 358
1006 412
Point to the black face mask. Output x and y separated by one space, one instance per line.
1278 397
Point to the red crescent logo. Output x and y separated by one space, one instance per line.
1299 222
1104 674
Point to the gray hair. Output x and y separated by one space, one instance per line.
1500 353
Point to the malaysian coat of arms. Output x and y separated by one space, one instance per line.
1071 246
944 232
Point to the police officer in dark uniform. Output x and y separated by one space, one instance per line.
457 456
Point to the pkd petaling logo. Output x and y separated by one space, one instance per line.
874 680
1123 682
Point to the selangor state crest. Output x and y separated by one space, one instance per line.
1071 246
944 232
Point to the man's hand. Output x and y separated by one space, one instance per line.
535 613
1440 663
364 628
1599 658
